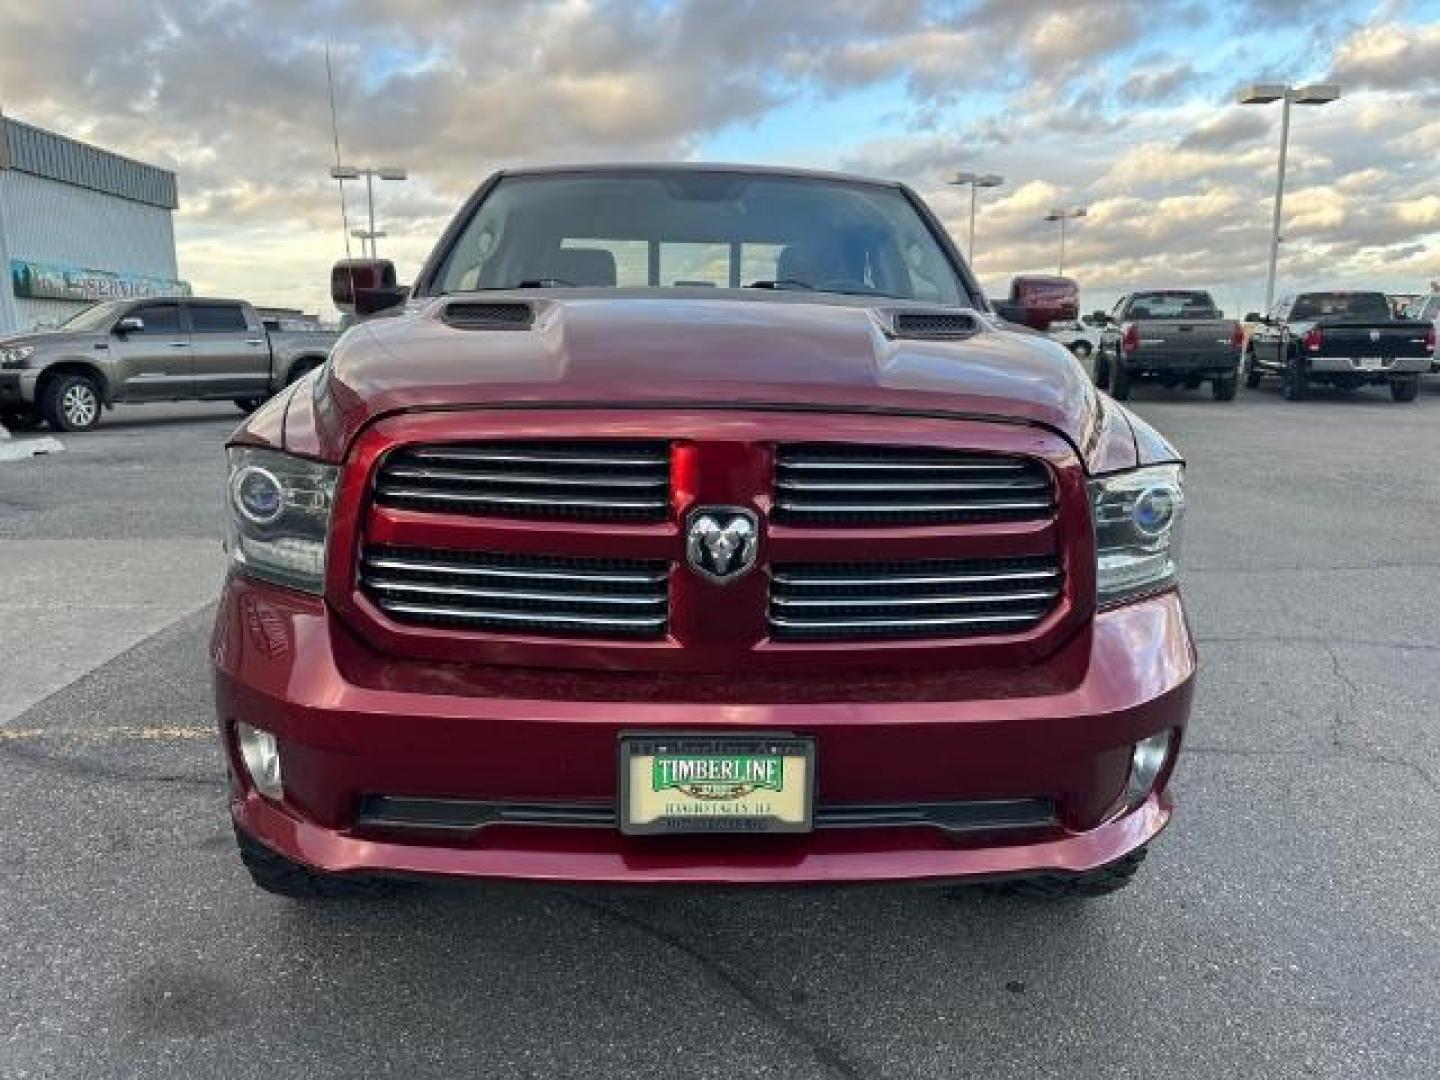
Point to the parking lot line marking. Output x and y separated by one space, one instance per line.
109 734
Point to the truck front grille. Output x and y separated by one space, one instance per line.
518 594
600 480
822 484
932 598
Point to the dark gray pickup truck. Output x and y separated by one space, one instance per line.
1344 339
163 349
1176 337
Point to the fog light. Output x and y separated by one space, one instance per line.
261 753
1146 761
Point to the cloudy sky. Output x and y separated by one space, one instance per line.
1122 106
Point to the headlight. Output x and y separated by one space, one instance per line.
17 357
1138 516
278 516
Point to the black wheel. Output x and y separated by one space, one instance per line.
1081 349
1294 383
276 874
1102 371
1405 387
247 405
70 403
1120 381
1102 882
300 370
1252 373
1223 387
19 421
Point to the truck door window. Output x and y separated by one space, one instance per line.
161 319
217 319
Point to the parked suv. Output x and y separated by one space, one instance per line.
698 525
1342 339
169 349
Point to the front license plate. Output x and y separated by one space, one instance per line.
716 783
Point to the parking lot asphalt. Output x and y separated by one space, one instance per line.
1285 925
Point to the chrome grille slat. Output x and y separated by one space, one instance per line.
824 484
596 480
530 618
464 570
483 498
519 596
462 476
821 581
932 598
915 601
601 598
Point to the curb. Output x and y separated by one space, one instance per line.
19 449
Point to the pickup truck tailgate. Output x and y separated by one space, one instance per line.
1380 339
1183 342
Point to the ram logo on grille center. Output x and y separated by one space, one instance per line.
720 542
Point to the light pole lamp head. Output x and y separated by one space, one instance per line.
391 172
1316 94
962 178
989 180
344 172
1261 93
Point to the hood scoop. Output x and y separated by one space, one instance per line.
932 324
488 315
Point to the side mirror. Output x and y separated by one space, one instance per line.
130 324
1254 316
365 286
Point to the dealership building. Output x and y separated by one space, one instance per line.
79 224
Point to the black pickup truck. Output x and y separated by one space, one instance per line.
1343 339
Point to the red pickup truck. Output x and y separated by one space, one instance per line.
697 525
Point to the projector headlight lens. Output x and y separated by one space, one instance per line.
279 517
258 495
1138 518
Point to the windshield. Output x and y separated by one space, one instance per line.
1172 305
96 317
702 230
1341 305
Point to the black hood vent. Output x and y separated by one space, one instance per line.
488 315
931 324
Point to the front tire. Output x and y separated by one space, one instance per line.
1102 882
1119 381
1223 387
1405 387
276 874
71 403
248 405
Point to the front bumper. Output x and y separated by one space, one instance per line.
17 388
353 724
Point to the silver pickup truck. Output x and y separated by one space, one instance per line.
1171 336
173 349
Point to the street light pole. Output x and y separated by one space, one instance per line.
975 181
1063 216
1264 94
384 172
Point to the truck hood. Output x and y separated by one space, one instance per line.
52 340
599 348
